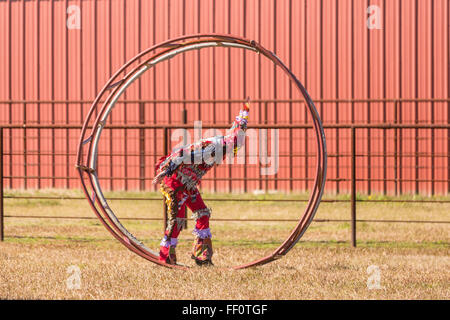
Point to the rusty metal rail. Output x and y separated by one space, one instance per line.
226 200
232 219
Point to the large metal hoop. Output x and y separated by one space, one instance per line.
104 103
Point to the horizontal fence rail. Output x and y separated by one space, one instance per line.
232 220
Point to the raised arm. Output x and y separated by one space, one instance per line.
236 137
241 121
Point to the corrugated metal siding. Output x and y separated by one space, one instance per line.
326 43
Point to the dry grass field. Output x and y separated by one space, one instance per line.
413 259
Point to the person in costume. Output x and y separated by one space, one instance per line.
180 173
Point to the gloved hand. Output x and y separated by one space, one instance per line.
168 169
243 115
158 178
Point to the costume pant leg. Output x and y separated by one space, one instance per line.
200 213
175 200
202 250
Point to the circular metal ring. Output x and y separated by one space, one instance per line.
114 88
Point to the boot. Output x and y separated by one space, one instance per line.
202 251
167 255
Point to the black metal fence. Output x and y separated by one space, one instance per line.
353 179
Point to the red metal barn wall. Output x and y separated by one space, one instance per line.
56 55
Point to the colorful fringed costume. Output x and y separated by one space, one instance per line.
180 173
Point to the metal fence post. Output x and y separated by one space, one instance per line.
165 150
353 187
185 142
396 147
141 147
2 225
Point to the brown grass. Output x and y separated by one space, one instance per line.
413 258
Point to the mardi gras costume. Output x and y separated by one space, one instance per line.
180 174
